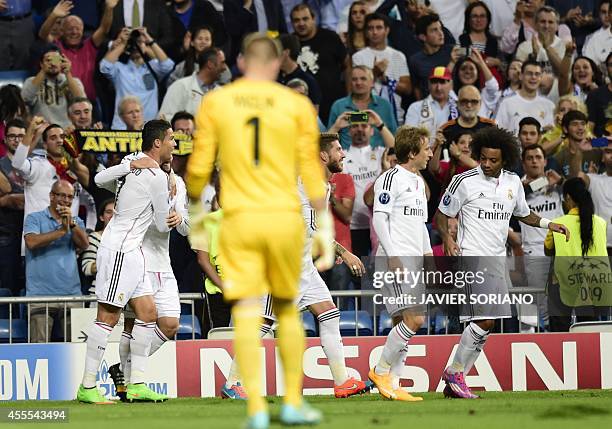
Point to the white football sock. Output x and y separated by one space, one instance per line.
96 346
398 366
158 340
470 345
124 355
140 346
331 341
396 341
234 375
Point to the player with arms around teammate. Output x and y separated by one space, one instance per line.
484 198
264 136
156 249
142 197
400 214
314 294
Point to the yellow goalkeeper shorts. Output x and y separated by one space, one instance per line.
261 253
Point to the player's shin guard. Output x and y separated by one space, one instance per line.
159 338
396 341
470 346
291 343
124 355
247 320
331 341
96 345
140 346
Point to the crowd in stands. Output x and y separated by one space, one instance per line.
540 69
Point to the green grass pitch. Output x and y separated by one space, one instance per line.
515 410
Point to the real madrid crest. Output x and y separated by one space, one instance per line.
373 156
510 194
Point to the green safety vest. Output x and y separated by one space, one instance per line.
582 280
212 222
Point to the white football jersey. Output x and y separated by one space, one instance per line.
401 194
484 205
310 219
364 166
141 197
545 203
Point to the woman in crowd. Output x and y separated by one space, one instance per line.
354 38
586 77
476 33
11 106
195 43
472 70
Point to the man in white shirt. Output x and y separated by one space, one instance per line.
547 46
599 44
363 163
484 198
526 102
400 214
438 107
142 197
186 94
156 250
390 68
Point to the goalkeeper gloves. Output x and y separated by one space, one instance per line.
197 232
323 241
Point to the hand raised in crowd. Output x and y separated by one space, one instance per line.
247 4
62 9
519 12
535 45
66 65
454 150
122 38
111 3
380 67
98 126
476 56
342 121
374 119
553 177
187 41
456 54
385 164
438 141
35 130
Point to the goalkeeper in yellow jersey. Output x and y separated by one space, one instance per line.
263 136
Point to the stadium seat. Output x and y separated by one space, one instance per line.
4 308
347 324
186 329
20 331
385 323
440 324
310 327
15 77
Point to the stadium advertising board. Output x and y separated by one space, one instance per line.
54 371
509 362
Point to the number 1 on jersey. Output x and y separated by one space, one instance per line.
255 123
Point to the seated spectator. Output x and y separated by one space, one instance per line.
291 70
435 53
88 258
301 87
361 98
135 77
80 51
579 15
131 113
47 94
586 77
186 93
189 15
576 137
389 66
473 70
598 45
323 54
251 16
52 237
150 14
512 83
546 47
599 101
526 102
552 139
12 106
476 33
468 104
354 38
529 135
11 211
439 107
16 34
200 39
459 159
